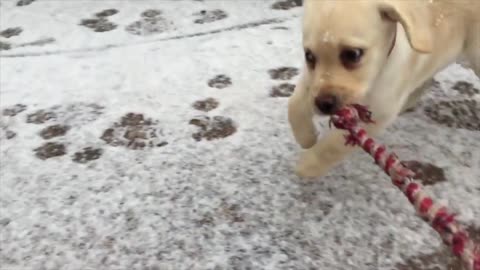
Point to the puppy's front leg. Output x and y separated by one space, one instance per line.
324 155
417 94
331 150
300 115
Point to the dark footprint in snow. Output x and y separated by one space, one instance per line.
208 16
10 111
50 150
4 46
14 110
98 24
134 131
9 134
40 117
217 127
287 4
282 90
283 73
205 105
466 88
464 114
427 173
22 3
106 13
147 27
87 154
151 22
54 131
5 132
151 14
220 81
11 32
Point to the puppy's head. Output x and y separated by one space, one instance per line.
348 42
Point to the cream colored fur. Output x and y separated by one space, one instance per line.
429 36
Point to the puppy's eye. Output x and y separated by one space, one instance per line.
351 57
310 59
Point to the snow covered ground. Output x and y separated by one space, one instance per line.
153 135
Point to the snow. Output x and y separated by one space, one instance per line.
230 203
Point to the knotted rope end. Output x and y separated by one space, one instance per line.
349 117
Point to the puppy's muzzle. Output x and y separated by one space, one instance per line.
327 104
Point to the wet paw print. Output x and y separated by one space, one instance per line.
11 111
282 90
76 114
14 110
106 13
5 46
211 128
427 173
134 131
287 4
283 73
9 134
208 16
217 127
220 81
22 3
151 22
6 132
100 22
464 114
50 150
466 88
54 131
11 32
8 33
87 154
40 117
206 105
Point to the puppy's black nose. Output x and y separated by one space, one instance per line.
327 104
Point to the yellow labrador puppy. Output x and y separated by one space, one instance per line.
376 53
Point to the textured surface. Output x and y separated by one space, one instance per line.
149 135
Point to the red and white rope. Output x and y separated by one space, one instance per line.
438 216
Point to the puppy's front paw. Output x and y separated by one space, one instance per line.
310 166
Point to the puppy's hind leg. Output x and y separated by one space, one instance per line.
300 114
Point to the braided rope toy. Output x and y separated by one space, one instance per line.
438 216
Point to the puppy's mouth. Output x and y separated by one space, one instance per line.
322 114
327 105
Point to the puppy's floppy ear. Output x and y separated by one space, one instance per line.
415 18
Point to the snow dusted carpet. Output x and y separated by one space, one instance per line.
153 135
